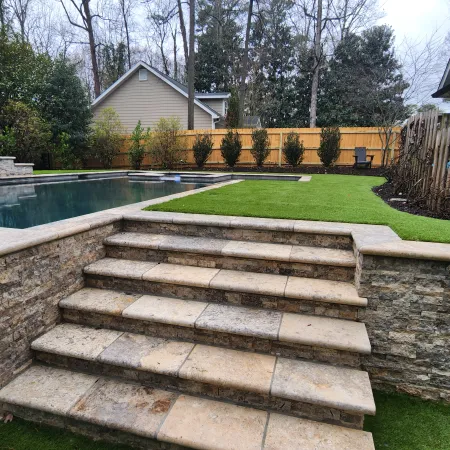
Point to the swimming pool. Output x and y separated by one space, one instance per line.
28 205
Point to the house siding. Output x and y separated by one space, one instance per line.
215 103
148 101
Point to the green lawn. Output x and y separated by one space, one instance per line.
407 423
335 198
401 423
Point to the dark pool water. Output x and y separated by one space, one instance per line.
24 206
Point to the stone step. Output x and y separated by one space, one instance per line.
286 259
317 391
281 333
282 231
295 294
132 414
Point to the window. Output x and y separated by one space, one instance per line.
142 74
225 107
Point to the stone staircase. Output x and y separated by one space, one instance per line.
203 335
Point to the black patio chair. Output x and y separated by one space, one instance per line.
361 158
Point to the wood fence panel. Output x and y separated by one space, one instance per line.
351 137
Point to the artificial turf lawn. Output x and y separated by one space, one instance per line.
407 423
401 423
331 198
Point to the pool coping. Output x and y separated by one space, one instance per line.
379 240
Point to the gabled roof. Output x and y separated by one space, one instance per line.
181 88
444 86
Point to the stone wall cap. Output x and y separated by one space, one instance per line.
410 249
7 157
24 164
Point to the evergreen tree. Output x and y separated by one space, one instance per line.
232 118
65 103
218 37
364 85
273 65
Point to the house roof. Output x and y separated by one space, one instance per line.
181 88
444 86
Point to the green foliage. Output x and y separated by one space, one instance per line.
231 147
65 105
330 145
113 63
167 144
25 134
139 144
260 146
64 154
203 147
22 71
107 137
232 117
293 150
218 33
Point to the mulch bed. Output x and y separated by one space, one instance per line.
386 192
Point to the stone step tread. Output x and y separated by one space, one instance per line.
168 417
240 249
320 384
230 280
316 331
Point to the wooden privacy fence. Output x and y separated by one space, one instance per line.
350 138
422 171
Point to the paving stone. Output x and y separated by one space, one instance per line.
99 300
207 424
237 320
229 368
147 353
258 283
325 332
285 433
121 268
322 384
325 256
179 274
168 310
257 250
194 244
137 240
323 291
48 389
125 407
76 341
257 223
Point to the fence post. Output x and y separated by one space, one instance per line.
279 149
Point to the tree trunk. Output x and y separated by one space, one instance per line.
92 47
317 61
244 69
127 33
191 65
183 33
175 54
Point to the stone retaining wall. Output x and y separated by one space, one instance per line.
408 321
32 281
8 168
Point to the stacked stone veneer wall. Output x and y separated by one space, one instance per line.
8 168
32 281
408 320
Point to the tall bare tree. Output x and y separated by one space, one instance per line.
126 7
87 25
183 32
20 10
244 67
191 65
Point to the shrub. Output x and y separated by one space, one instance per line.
329 150
139 143
64 153
24 134
202 148
293 149
107 137
231 147
167 144
260 146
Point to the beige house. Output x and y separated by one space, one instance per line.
146 94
